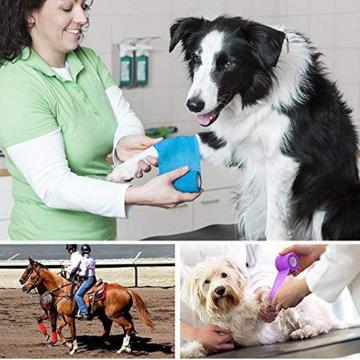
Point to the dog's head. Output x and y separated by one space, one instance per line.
214 287
226 56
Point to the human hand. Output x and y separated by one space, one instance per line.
160 191
213 338
131 145
267 312
290 294
307 254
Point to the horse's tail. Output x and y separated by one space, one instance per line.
141 308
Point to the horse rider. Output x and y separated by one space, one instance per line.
75 260
88 278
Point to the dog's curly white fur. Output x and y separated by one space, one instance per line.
217 290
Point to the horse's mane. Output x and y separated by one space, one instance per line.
41 265
54 275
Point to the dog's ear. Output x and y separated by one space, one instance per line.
31 260
182 28
266 42
191 292
240 273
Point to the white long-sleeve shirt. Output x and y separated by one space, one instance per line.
75 260
43 163
338 267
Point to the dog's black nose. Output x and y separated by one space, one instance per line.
195 104
220 290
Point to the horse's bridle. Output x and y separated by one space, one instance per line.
34 284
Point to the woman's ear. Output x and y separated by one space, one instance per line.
30 20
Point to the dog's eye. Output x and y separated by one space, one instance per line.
223 275
196 59
207 281
228 65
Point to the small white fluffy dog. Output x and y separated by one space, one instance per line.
216 290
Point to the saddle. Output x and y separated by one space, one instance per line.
97 292
94 294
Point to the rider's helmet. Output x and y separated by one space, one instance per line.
71 247
85 249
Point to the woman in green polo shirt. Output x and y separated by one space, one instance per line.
61 114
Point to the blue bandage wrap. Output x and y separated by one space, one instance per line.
178 152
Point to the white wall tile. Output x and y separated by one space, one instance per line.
156 105
134 97
265 8
159 70
346 65
346 6
347 30
322 6
299 23
322 30
239 8
178 102
296 7
99 29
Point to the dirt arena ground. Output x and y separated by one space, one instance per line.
21 338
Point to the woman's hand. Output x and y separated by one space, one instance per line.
213 338
160 191
308 254
290 294
131 145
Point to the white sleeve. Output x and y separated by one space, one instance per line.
128 122
336 269
261 266
43 163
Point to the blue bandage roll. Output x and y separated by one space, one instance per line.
178 152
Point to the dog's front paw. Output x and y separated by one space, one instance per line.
304 333
123 173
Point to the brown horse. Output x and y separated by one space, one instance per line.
47 304
115 306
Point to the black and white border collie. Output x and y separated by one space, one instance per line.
272 112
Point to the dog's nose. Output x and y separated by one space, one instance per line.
220 290
195 104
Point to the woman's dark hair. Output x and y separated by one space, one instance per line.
14 33
14 27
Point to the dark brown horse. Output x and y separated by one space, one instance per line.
114 307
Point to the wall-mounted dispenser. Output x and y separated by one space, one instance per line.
133 68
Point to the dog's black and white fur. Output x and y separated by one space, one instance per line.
273 113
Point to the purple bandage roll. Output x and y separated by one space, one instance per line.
284 265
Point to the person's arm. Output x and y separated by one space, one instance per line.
211 337
43 163
337 268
